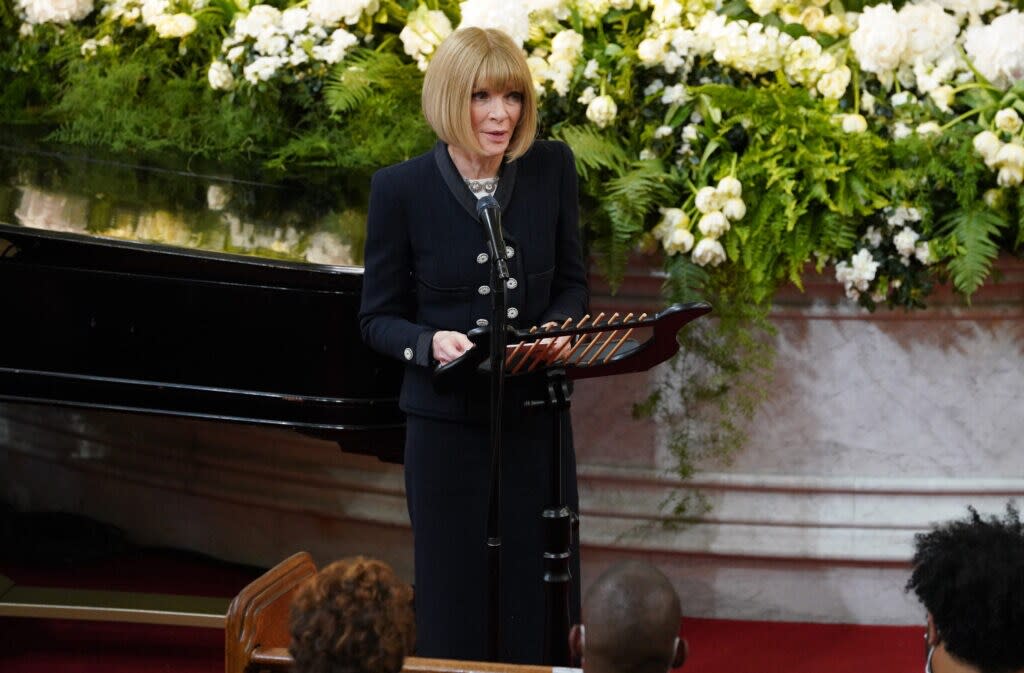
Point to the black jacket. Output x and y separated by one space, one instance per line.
426 268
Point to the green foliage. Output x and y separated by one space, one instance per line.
593 149
975 230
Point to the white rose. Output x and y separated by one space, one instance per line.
713 224
864 267
730 187
854 123
708 199
174 25
832 85
220 76
931 32
334 50
262 69
259 19
54 11
270 44
997 50
708 251
1008 120
567 44
511 17
1010 154
880 39
650 52
294 20
424 30
987 144
905 241
929 129
331 12
734 209
602 110
923 253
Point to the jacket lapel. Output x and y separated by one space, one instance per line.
461 192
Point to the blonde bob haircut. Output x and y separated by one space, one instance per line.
468 59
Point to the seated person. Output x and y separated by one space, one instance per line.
631 620
969 575
354 616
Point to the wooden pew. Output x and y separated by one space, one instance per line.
257 635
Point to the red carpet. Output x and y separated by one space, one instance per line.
716 646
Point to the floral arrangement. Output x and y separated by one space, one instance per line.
742 141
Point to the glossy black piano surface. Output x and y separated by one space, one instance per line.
154 291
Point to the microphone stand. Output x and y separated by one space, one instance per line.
499 338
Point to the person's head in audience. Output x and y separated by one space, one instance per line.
969 575
354 616
631 620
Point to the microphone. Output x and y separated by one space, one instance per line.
489 212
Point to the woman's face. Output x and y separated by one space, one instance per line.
494 113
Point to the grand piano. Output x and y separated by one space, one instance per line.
150 290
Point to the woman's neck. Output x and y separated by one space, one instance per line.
474 166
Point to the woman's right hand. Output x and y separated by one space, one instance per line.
447 346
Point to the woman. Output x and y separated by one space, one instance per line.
425 285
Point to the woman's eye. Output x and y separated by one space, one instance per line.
480 95
516 96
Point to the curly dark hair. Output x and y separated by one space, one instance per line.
354 616
969 574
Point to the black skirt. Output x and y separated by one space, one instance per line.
447 480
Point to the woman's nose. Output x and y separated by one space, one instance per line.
498 109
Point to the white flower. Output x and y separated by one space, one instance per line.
997 50
651 52
220 76
734 209
654 87
663 131
592 11
880 39
424 30
54 11
1010 154
832 25
905 241
665 12
1010 176
973 8
647 154
708 199
674 95
671 218
833 84
929 129
262 69
591 71
713 224
708 251
873 236
174 25
801 60
1008 120
566 45
294 20
690 132
751 48
860 272
330 12
943 96
762 7
854 123
511 17
931 33
587 96
235 53
270 44
987 144
602 110
88 48
900 131
334 50
923 253
730 187
259 20
678 240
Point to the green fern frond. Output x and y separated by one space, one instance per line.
976 230
365 71
685 280
593 149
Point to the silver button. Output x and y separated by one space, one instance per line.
510 252
482 322
482 258
484 290
408 353
511 283
513 313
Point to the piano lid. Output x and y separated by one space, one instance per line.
319 219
